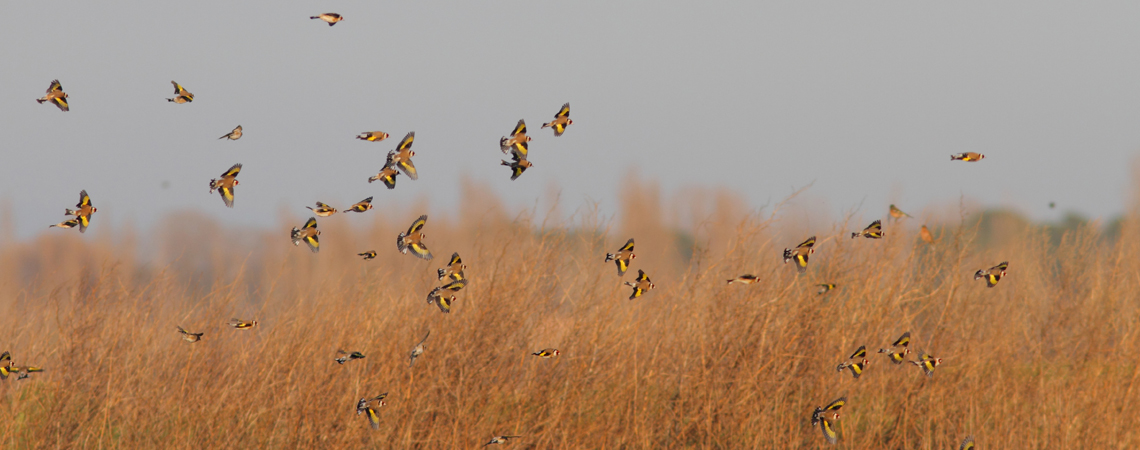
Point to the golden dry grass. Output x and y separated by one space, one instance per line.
1047 359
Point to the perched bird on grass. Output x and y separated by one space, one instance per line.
242 325
899 349
800 254
330 18
436 297
181 95
500 440
66 224
225 184
993 274
412 239
322 210
857 362
518 165
453 270
825 288
82 212
825 417
622 257
233 135
745 279
56 96
188 336
561 120
372 136
401 157
361 206
927 362
641 285
517 143
968 156
368 254
547 353
873 231
924 233
343 356
967 444
307 234
897 213
418 350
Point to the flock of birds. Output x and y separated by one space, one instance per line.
452 278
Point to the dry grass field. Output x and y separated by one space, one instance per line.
1046 359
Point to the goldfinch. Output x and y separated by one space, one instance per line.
56 96
343 356
242 325
547 353
518 166
825 287
517 143
825 417
993 274
233 135
444 303
967 444
412 239
387 175
561 120
800 254
897 213
622 257
225 184
307 234
361 206
454 269
857 362
368 254
641 286
873 231
188 336
363 403
66 224
181 95
745 279
418 350
5 365
500 440
401 157
924 233
82 212
968 156
322 210
927 362
330 18
372 136
24 371
899 349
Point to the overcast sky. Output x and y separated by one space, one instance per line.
866 99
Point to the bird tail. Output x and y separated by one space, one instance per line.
41 100
609 256
854 235
546 125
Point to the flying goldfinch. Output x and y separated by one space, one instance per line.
412 239
967 444
436 298
188 336
547 353
363 403
856 362
5 365
641 286
401 157
622 257
825 287
82 212
518 166
307 234
800 254
66 224
24 371
343 356
897 213
55 95
517 143
500 440
418 350
899 349
181 95
225 184
993 274
825 417
745 279
242 325
386 175
372 136
322 210
561 120
368 254
233 135
924 233
454 269
873 231
968 156
361 206
927 362
330 18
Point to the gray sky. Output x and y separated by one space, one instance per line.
868 99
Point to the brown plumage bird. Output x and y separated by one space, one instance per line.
372 136
330 18
413 239
745 279
800 254
188 336
623 257
82 212
225 184
361 206
56 96
181 95
401 157
968 156
641 285
547 353
516 144
561 120
322 210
